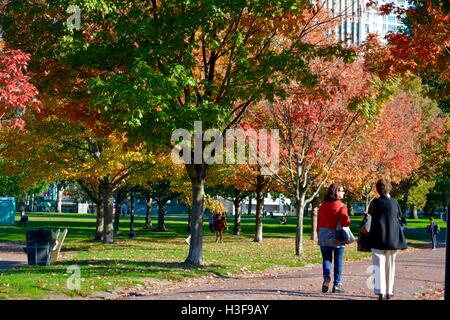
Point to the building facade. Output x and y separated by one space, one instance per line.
357 20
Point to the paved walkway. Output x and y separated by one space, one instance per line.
419 275
12 255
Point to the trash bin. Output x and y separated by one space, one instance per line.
40 243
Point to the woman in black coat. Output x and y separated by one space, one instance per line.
385 238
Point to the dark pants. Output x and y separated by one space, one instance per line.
327 256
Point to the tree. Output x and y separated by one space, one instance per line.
422 47
229 190
161 193
432 143
235 183
418 194
10 185
157 66
318 126
60 186
439 195
390 148
51 149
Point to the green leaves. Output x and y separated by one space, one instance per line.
103 7
371 105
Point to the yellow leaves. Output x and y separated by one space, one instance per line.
213 205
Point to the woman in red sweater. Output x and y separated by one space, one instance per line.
331 211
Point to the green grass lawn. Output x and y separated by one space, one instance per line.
158 255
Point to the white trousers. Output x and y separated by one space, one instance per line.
384 268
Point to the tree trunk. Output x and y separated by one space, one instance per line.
59 195
32 202
249 209
237 216
367 197
414 213
351 212
259 209
161 216
315 213
100 218
119 199
406 188
117 220
197 174
107 196
299 211
148 216
188 228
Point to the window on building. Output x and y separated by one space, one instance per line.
384 26
384 18
367 28
392 27
357 33
392 19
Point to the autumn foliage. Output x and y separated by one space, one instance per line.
425 48
17 94
389 148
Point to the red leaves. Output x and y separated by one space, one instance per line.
313 122
390 148
16 93
386 9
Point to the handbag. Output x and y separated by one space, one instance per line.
363 237
344 234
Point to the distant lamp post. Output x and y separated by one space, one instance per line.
447 258
131 235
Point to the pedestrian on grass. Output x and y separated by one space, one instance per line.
433 229
331 211
220 223
385 238
124 209
212 227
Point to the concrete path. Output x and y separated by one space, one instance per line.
419 275
12 255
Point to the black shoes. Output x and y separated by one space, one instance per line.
385 296
338 288
325 285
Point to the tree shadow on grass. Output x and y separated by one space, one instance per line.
119 267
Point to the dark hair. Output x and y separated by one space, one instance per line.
430 218
383 187
331 194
